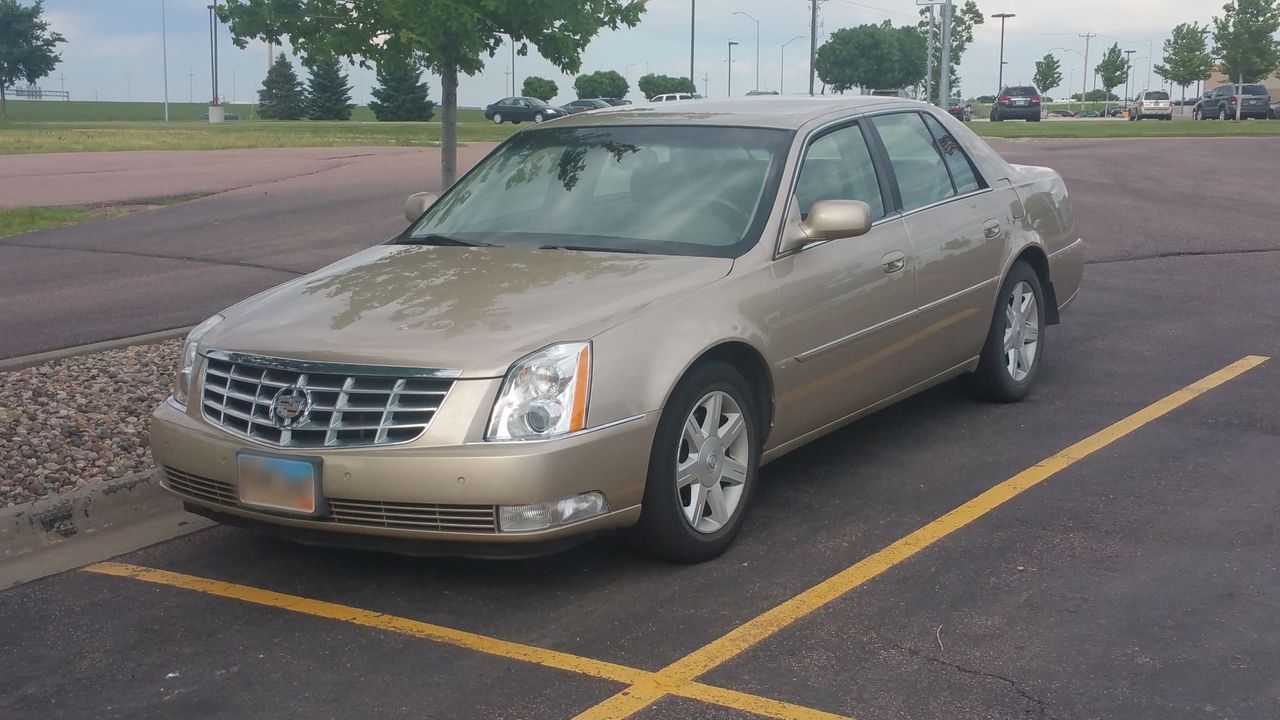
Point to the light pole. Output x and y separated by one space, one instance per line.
693 14
1083 74
729 86
128 87
513 65
213 52
1003 17
1128 56
782 60
164 51
757 22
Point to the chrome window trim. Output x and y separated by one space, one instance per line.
278 363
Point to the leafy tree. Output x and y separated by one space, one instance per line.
651 85
1112 69
453 35
539 87
1186 57
401 94
602 84
282 96
872 56
963 19
328 92
1048 73
27 46
1244 37
1096 96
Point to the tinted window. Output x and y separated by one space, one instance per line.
963 176
1021 91
837 166
1253 90
1155 95
921 172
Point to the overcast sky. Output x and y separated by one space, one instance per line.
114 46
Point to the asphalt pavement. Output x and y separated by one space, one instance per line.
970 560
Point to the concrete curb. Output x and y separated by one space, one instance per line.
25 361
86 511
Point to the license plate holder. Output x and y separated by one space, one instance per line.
280 484
1019 102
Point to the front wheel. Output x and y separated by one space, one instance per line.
497 118
702 468
1222 113
537 119
1011 356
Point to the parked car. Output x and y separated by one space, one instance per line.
753 93
1061 113
1116 111
519 109
672 97
1089 114
892 92
1151 104
959 109
563 343
584 105
1017 102
1275 111
1221 102
617 101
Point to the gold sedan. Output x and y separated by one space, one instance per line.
614 320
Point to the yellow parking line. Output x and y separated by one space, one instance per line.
763 626
471 641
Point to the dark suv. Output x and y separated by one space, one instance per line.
1017 102
1220 103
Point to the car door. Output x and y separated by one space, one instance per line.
845 306
958 227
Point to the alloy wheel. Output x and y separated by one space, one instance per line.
1021 331
712 461
497 118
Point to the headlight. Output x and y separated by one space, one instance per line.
187 365
544 394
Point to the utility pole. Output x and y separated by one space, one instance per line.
128 87
928 55
1128 56
706 85
944 72
813 39
1084 82
693 15
213 53
1003 17
164 51
729 86
513 65
191 95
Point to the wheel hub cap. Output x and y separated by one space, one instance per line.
711 462
1022 331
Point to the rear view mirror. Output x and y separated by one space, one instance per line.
418 204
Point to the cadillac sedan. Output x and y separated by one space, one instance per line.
614 320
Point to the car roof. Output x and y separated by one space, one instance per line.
764 111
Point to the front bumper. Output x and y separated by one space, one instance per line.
400 491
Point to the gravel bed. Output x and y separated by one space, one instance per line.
79 420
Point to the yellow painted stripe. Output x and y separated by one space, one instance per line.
763 626
645 684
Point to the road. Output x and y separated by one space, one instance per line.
971 560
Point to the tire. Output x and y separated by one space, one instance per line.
1034 118
1222 113
995 117
1195 114
497 118
666 529
537 119
994 381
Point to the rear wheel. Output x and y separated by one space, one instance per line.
702 468
1010 358
1222 113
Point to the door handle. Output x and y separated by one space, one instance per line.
991 230
894 262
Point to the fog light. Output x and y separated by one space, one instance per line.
539 516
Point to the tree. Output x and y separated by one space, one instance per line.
963 19
651 85
1096 96
872 56
401 94
328 93
27 46
602 84
1112 69
1048 73
282 96
453 35
539 87
1244 37
1186 56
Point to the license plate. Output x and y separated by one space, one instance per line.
1019 102
277 483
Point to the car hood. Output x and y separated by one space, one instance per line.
474 309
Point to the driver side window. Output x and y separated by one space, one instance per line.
837 166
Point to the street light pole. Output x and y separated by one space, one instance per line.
813 39
1128 78
693 14
1003 17
164 51
944 72
213 52
729 87
757 22
782 74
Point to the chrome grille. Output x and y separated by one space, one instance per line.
351 406
414 516
201 488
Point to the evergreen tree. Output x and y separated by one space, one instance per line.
328 94
401 94
281 96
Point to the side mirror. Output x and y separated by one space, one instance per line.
418 204
828 220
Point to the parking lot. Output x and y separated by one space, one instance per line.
1109 548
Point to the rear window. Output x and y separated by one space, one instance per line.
1156 95
1253 90
1022 91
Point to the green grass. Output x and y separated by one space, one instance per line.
1123 129
16 221
17 138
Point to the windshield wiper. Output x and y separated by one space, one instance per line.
590 248
435 239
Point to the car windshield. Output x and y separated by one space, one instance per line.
674 190
1156 95
1021 92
